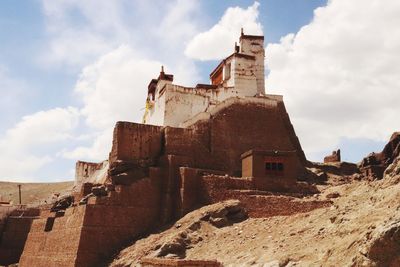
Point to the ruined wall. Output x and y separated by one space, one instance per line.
214 189
15 230
133 141
88 234
334 157
90 172
374 165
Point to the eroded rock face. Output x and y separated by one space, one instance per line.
218 215
392 173
383 249
63 203
334 157
374 165
127 172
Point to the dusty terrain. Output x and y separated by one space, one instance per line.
32 192
360 228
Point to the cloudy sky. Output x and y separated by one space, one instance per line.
69 69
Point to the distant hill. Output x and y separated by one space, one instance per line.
32 192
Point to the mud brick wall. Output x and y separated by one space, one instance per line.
153 262
57 247
88 235
253 165
171 184
258 204
241 127
197 190
190 142
13 238
85 170
133 141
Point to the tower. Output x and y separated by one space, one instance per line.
254 45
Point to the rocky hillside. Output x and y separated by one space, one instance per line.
361 227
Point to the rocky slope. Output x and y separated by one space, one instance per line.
360 228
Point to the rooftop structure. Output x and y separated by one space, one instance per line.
239 75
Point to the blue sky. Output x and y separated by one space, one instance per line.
70 69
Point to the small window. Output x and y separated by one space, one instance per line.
227 71
268 166
274 166
280 166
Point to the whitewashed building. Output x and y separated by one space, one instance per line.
239 75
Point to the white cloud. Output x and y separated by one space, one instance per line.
217 42
97 151
339 74
80 31
115 87
25 147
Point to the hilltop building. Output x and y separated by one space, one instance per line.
239 75
196 146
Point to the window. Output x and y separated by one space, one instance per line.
280 166
274 168
227 71
268 166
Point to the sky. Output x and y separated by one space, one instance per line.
69 69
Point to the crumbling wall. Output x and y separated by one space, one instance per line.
90 172
214 189
334 157
16 227
88 234
374 165
133 141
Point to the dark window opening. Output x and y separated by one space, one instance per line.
268 166
280 166
49 224
274 168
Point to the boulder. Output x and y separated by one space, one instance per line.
62 204
384 247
